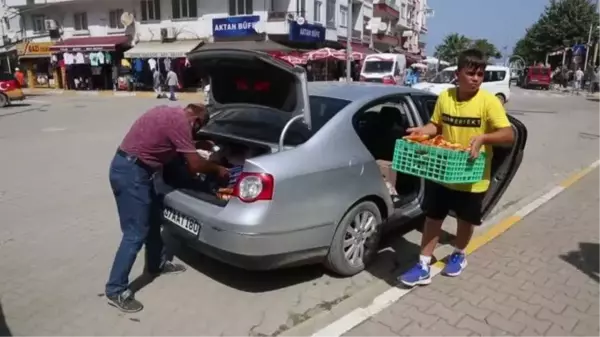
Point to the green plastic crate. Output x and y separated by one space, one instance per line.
437 164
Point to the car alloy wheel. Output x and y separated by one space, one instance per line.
356 237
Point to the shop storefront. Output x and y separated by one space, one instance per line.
90 63
145 57
40 67
242 32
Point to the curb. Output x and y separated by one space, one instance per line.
109 93
382 295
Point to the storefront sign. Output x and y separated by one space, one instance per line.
306 32
35 49
235 26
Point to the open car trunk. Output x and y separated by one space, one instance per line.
231 152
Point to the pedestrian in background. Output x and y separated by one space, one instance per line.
173 83
578 80
157 83
20 77
472 117
154 139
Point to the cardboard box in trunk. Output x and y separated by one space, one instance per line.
388 174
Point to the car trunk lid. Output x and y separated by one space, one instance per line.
250 77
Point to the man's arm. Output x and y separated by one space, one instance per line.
498 122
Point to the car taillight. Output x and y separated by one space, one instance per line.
252 187
388 80
363 79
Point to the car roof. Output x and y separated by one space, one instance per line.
354 91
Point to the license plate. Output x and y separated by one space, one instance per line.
182 221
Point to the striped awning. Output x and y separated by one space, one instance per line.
162 49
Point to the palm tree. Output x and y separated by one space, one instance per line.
451 47
487 48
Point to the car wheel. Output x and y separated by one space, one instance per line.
501 98
4 101
356 240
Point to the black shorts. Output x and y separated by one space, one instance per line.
440 200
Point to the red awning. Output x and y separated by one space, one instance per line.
359 48
93 43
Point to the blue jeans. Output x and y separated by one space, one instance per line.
172 92
139 210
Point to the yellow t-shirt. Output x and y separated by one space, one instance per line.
461 121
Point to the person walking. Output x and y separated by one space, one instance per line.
578 80
154 139
173 83
472 117
157 83
20 77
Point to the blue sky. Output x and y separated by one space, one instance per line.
502 22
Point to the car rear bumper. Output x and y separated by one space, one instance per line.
243 245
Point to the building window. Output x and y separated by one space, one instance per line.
150 10
240 7
403 11
318 6
114 19
330 13
80 21
343 16
7 23
301 7
184 9
39 24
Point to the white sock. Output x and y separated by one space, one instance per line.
460 251
425 260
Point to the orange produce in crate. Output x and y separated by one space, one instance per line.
437 141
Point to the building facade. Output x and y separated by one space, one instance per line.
36 31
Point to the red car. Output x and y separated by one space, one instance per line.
10 89
536 77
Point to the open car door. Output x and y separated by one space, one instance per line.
505 163
255 78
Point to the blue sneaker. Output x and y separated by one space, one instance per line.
457 262
417 275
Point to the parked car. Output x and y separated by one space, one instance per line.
10 89
311 190
496 79
539 77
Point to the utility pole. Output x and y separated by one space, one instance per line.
349 27
587 47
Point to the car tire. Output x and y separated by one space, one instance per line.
501 98
337 260
4 101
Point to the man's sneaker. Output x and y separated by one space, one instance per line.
125 302
169 268
417 275
455 264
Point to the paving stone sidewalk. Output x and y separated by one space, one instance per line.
538 278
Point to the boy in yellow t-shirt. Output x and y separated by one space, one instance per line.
472 117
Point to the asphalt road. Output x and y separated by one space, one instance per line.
59 227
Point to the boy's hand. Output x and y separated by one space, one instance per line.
475 145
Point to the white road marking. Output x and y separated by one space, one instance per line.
392 295
34 101
53 129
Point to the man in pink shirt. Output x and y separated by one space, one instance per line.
154 139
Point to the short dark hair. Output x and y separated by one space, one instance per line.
472 58
199 110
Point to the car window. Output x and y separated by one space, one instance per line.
494 75
265 125
6 77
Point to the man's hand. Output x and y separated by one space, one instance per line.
475 145
223 173
430 129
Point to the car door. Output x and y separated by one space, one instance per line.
240 77
506 159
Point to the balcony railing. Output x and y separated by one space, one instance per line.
389 3
282 16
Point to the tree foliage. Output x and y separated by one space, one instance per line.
453 44
562 24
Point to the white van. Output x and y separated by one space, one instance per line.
495 80
383 68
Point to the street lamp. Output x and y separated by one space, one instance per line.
348 42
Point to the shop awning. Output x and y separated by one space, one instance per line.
166 49
93 43
265 46
359 48
33 50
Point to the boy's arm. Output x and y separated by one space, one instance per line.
502 132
